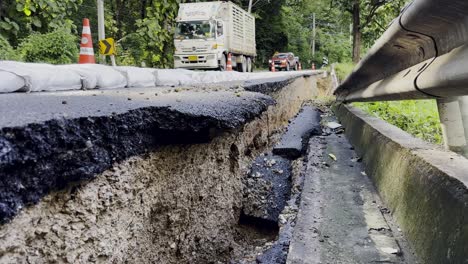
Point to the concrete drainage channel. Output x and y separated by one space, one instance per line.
135 175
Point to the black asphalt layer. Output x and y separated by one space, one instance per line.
294 142
271 85
48 140
278 253
267 187
229 109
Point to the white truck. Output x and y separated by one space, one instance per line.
208 32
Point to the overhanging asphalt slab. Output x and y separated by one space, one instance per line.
48 140
227 107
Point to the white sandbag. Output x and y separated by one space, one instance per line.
138 77
10 82
175 77
186 77
43 77
107 77
89 77
217 77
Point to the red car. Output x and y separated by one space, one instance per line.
285 61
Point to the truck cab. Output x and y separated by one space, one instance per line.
200 44
207 32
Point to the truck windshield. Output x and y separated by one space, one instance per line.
195 30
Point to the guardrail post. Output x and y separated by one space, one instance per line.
452 125
463 102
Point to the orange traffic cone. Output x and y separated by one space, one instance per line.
86 47
273 69
229 62
313 66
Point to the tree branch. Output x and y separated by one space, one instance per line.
372 13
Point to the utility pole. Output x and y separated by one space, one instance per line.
313 35
250 6
101 27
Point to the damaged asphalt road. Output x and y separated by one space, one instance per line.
49 140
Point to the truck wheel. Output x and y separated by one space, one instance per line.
223 63
242 67
249 65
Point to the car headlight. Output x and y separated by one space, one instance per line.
177 58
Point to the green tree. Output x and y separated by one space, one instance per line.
156 31
365 15
20 18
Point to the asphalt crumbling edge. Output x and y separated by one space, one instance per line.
424 186
267 86
38 158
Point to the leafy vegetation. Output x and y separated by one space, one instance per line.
21 18
369 17
6 51
417 117
155 31
57 47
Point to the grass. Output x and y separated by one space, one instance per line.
343 70
420 118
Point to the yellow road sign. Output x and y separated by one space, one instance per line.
107 46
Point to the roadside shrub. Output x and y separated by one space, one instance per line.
343 70
420 118
6 50
57 47
131 50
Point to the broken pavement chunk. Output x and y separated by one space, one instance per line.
294 142
267 188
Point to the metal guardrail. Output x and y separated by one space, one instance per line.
423 54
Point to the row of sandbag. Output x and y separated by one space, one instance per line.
35 77
186 77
